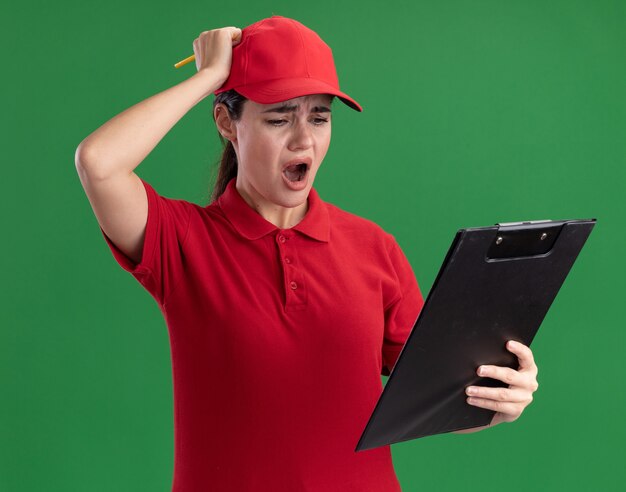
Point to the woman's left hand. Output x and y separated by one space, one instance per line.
509 403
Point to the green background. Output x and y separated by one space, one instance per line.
475 112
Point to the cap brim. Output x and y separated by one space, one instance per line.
279 90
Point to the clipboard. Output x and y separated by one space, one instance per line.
496 283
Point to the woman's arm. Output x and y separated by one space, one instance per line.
106 159
123 142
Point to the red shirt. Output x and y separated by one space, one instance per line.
278 340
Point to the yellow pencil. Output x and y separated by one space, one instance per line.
189 59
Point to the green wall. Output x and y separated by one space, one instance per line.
475 112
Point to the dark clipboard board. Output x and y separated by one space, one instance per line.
496 283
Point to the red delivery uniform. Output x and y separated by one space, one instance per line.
278 339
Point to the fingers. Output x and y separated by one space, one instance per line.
524 355
236 35
509 409
504 374
499 394
527 374
509 403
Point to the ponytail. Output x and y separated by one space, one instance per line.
227 169
228 162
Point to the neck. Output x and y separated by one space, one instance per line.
283 217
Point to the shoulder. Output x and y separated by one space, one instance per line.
362 229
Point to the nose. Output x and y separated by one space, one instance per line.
302 136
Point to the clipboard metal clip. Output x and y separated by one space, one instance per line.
507 224
514 240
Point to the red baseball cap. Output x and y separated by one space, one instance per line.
279 58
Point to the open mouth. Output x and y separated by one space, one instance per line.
296 172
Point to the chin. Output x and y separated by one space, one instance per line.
291 198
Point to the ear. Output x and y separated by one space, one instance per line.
225 125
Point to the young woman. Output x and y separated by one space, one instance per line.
283 310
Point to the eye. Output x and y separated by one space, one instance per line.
322 120
276 122
318 122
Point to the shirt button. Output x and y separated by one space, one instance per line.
293 285
287 259
281 238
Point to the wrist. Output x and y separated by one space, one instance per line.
211 79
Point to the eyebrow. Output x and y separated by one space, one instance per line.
285 108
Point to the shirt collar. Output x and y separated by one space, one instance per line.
251 225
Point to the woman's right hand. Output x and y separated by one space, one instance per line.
214 51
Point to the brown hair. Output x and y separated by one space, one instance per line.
228 163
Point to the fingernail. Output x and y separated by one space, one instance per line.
470 390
